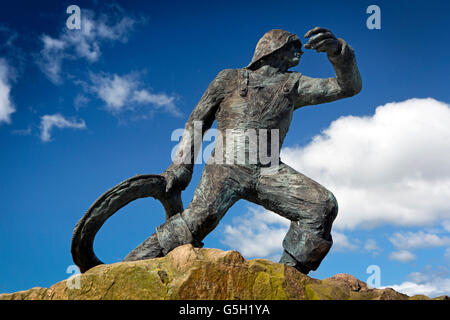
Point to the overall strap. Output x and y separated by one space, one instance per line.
243 82
291 81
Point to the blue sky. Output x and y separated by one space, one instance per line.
80 111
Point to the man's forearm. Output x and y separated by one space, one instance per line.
347 73
347 83
179 173
189 145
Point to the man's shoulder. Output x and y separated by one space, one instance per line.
227 78
295 74
226 73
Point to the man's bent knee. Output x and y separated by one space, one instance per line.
331 206
327 207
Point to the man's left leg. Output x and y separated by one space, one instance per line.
311 209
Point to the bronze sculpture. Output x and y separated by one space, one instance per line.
262 95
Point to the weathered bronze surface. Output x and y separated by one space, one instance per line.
262 95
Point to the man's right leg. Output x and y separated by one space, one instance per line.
219 188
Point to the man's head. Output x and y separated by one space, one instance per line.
278 48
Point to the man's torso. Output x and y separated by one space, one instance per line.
257 104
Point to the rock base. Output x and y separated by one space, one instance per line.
206 274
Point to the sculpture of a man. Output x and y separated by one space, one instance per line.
263 95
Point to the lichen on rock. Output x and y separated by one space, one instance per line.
194 273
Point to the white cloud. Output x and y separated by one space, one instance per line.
158 100
87 41
447 254
429 284
58 121
51 57
446 225
258 233
124 93
114 90
12 52
80 101
6 105
433 289
417 240
342 243
372 246
389 168
53 44
402 256
84 43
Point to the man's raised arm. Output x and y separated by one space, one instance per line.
179 173
348 80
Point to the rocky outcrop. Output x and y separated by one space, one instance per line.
193 273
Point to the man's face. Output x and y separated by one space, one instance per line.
291 54
294 53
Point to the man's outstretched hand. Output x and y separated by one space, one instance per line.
322 40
